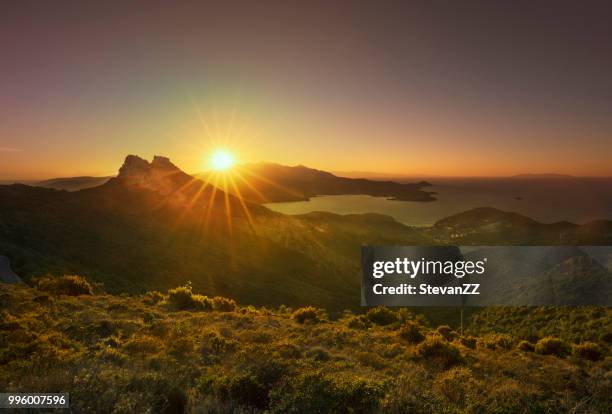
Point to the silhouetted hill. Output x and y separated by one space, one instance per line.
72 183
153 227
562 275
180 190
486 225
542 175
266 182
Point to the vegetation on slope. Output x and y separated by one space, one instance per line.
132 240
183 352
573 325
154 227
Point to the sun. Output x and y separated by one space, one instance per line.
221 160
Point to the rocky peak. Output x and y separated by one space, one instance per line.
133 166
163 163
159 175
136 166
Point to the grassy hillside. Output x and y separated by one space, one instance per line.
571 324
181 352
490 226
135 349
134 239
159 230
154 227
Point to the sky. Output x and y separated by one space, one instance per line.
409 88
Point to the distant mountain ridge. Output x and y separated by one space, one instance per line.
156 227
489 225
73 183
268 182
180 188
543 175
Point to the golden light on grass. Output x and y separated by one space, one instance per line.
222 160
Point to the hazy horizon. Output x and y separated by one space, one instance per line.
482 89
374 175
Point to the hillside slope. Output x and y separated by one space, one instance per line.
72 183
487 225
153 353
154 227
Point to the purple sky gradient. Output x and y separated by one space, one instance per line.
441 88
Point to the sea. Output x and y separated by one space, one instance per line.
548 200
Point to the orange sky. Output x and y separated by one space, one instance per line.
403 89
418 150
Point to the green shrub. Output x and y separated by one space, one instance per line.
153 298
409 393
526 346
382 316
43 299
370 359
436 348
505 395
606 337
455 385
359 322
391 351
447 333
269 372
411 332
181 346
497 341
142 344
222 304
318 354
242 389
113 355
111 342
551 346
322 393
468 341
284 310
166 390
588 350
288 351
307 314
248 389
214 345
183 298
258 337
70 285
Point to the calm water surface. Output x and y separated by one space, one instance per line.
576 200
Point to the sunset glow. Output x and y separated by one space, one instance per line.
222 160
421 91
